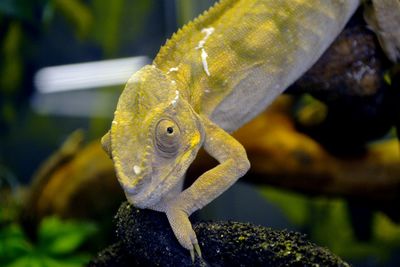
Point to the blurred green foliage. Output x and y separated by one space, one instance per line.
108 25
77 13
10 196
25 29
57 244
39 33
118 22
327 223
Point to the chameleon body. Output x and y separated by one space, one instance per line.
211 77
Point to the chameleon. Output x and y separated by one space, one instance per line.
211 77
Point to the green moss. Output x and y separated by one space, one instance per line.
241 238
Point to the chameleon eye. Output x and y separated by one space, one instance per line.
167 138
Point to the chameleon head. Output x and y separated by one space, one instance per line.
154 137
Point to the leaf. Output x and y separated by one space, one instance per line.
108 33
13 243
386 230
26 261
74 261
58 237
294 206
78 13
11 65
17 9
40 260
125 20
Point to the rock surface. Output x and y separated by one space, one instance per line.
146 239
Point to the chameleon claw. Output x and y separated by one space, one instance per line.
198 250
191 254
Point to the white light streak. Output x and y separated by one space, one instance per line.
87 75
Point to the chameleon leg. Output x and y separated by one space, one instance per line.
383 17
233 165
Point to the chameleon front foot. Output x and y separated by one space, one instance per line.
183 231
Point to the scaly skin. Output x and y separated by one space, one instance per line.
211 77
383 17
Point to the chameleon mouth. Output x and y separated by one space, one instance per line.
159 187
131 184
138 185
148 196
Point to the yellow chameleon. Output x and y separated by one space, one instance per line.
214 75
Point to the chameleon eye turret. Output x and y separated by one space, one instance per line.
167 138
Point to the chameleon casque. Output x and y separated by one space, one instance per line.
213 75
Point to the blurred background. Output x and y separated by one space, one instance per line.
63 64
